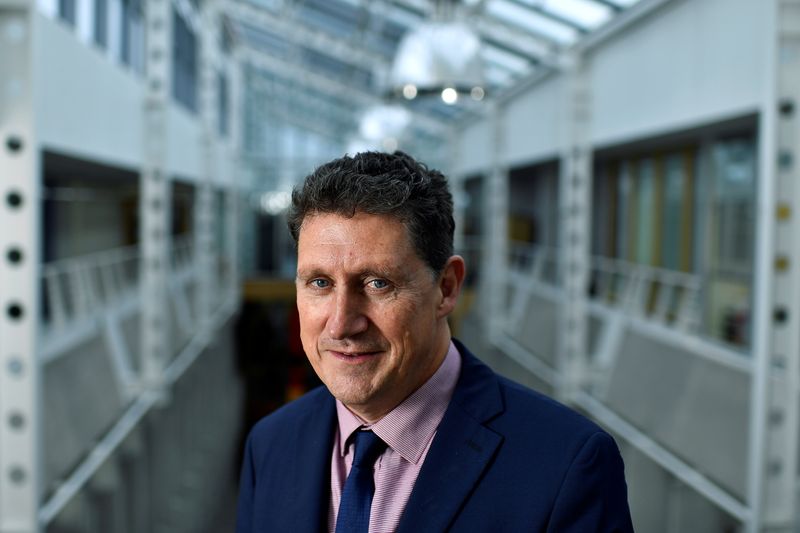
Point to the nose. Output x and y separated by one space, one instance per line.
347 317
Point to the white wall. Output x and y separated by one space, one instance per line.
92 108
184 144
86 106
692 62
533 123
475 147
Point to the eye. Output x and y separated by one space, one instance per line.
378 283
319 283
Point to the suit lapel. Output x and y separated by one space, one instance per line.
460 452
304 507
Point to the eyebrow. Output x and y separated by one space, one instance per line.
379 271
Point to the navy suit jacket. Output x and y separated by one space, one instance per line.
504 458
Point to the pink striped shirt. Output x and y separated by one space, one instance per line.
408 430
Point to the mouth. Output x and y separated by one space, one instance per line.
354 357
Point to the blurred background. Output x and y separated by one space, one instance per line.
626 196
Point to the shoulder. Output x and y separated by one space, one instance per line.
529 420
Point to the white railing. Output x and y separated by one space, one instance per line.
183 253
657 294
79 287
540 262
666 296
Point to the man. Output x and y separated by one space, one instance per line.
411 432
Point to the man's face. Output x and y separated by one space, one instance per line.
372 315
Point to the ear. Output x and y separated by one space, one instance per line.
450 282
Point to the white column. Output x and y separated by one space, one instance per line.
495 259
205 200
776 312
155 197
574 208
233 203
20 453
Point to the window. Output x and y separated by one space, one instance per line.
132 34
101 22
66 11
184 63
223 111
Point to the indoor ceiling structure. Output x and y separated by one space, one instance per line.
321 65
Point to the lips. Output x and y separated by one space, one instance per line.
353 357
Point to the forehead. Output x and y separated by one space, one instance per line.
360 239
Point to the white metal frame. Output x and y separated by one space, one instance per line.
156 195
772 479
494 267
20 461
574 208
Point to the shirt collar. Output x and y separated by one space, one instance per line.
408 428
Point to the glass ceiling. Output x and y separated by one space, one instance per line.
338 53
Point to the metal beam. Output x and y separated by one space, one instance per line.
543 51
20 372
279 96
555 17
774 424
294 31
616 8
155 199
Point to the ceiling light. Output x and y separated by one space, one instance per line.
409 91
436 56
449 96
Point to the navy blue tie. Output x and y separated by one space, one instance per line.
359 488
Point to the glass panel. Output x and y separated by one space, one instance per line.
645 216
184 67
584 12
66 11
733 163
624 222
673 211
526 19
101 22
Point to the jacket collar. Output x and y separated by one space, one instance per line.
460 452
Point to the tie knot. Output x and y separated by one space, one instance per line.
368 446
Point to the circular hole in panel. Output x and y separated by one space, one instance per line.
781 315
15 311
14 199
14 143
156 203
17 474
15 366
14 255
16 420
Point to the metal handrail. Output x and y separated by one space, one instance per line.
667 296
79 287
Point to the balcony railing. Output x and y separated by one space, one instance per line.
656 294
78 288
666 296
